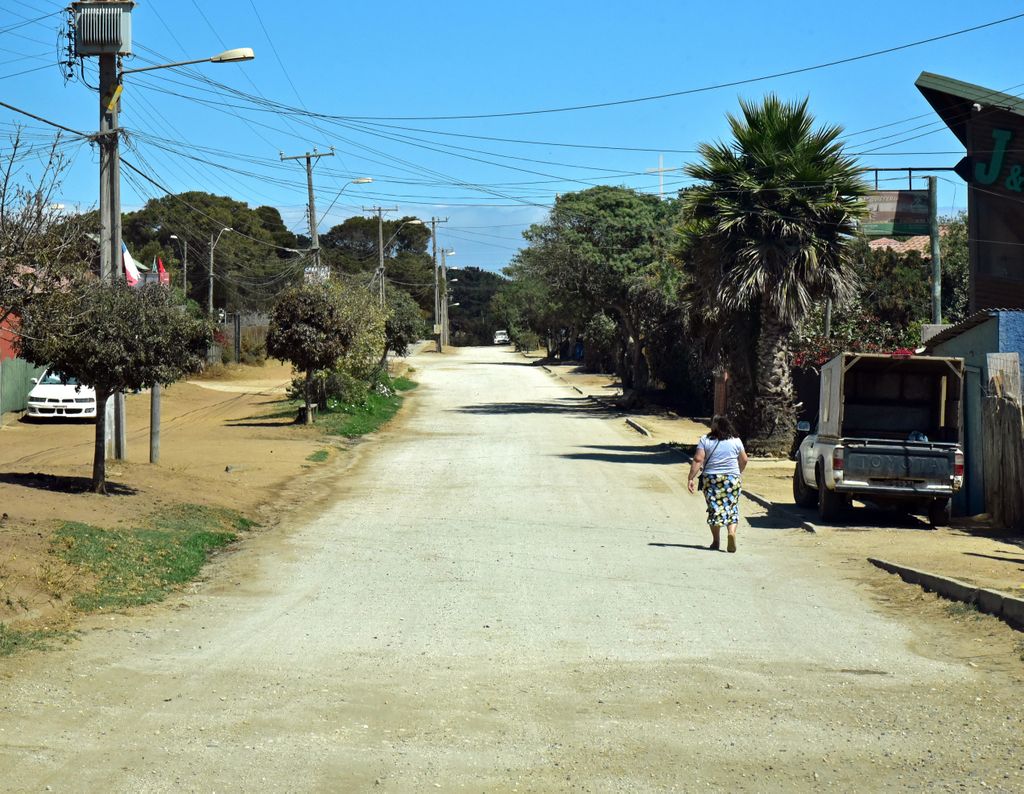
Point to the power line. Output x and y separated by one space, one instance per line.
691 91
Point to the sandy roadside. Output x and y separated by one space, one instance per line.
217 449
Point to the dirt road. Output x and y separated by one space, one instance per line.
509 592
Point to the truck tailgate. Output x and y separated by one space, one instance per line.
898 461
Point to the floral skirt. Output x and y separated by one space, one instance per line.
722 493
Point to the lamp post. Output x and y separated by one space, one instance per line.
183 243
213 244
111 262
314 233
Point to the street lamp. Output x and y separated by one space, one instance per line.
213 244
235 55
313 222
184 263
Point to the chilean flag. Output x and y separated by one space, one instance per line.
164 276
131 270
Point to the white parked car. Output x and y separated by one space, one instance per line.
501 337
56 395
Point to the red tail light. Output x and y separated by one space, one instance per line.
837 459
958 464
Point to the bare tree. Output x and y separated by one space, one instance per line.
40 247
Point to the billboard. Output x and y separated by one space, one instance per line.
896 212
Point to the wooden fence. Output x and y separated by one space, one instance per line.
1003 442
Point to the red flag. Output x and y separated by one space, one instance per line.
164 276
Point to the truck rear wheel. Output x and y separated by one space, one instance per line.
803 494
940 511
829 502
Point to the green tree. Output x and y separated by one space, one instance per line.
955 254
599 245
472 322
351 247
309 327
404 324
114 338
251 266
526 302
778 206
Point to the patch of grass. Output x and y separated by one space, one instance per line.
358 420
319 456
13 640
959 609
404 384
198 518
141 565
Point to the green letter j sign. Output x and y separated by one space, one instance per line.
987 173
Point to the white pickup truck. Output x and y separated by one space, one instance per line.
889 432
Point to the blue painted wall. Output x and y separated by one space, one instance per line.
973 345
1011 333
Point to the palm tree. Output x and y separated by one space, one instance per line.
778 207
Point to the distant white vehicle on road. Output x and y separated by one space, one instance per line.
58 396
501 337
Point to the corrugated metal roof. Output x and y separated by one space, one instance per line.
967 324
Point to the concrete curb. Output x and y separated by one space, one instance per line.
758 499
1009 609
638 427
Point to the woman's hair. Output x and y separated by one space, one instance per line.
721 428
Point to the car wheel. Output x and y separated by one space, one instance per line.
830 503
803 494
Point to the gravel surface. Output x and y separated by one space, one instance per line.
509 591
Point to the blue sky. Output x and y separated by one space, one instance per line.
388 63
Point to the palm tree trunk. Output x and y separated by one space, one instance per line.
774 420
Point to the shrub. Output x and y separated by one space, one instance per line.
526 340
254 351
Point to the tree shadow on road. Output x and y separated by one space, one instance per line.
61 483
995 557
657 454
504 363
572 406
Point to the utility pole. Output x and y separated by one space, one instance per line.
314 238
444 299
209 286
437 294
933 230
380 244
214 239
111 261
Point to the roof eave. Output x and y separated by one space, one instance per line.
954 99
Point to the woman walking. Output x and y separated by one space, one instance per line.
720 459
